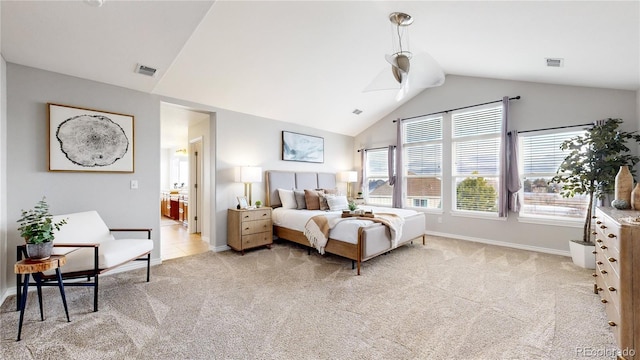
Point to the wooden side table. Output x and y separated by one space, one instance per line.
27 267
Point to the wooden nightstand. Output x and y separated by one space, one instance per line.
249 228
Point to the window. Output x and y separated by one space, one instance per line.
475 152
378 190
540 157
423 162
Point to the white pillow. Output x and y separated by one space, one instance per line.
287 198
337 202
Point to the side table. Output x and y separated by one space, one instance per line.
27 267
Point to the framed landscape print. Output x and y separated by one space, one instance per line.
299 147
89 140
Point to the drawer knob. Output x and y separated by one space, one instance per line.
594 233
599 289
604 301
598 240
611 236
611 288
598 222
599 263
612 259
594 252
602 227
594 274
603 247
246 228
603 271
611 323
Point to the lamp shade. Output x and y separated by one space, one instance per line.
348 176
250 174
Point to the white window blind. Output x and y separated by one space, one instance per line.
378 190
540 157
423 162
475 156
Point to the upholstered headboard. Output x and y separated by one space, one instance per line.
298 180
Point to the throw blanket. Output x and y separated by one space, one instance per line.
317 228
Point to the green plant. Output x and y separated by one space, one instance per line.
593 161
352 206
476 194
258 203
36 225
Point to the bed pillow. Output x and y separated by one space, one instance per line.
301 202
287 198
337 202
312 199
324 205
329 191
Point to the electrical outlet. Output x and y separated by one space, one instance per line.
134 184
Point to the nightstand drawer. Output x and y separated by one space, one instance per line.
253 240
252 227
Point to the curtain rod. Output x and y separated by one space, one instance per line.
460 108
555 128
378 148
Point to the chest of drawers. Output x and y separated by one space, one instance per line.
617 275
249 228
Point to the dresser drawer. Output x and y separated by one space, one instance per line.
253 240
608 280
608 233
256 215
613 316
252 227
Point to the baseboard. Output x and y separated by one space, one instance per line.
502 243
219 248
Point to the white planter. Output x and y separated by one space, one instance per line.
582 254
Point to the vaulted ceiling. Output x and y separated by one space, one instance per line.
308 62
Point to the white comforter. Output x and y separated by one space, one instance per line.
346 231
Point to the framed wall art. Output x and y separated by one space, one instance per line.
89 140
300 147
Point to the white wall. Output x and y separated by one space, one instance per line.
541 106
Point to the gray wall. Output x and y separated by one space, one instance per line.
541 106
235 139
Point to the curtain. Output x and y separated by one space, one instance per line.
397 200
503 192
363 170
513 177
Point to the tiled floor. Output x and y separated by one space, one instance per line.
177 242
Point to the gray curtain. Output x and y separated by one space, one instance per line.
503 192
513 177
363 170
397 200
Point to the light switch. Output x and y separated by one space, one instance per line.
134 184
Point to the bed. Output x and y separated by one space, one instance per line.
358 239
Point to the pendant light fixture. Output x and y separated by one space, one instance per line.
400 59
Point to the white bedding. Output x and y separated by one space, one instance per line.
346 231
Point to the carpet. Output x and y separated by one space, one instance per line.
450 299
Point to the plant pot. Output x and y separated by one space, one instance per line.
39 251
582 254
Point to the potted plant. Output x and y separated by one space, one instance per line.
590 169
36 227
352 206
258 203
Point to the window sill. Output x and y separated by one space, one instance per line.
478 215
577 223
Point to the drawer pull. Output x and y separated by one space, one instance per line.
594 274
598 222
603 271
603 247
594 233
604 301
611 323
612 259
602 227
246 216
599 263
598 240
611 236
594 252
611 288
246 228
599 289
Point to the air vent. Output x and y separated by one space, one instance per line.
145 70
357 111
555 62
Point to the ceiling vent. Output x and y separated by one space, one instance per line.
145 70
357 111
555 62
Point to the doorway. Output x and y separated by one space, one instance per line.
183 135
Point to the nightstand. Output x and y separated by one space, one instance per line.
358 201
249 228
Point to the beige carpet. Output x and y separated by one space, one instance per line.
449 299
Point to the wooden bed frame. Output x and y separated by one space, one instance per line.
373 240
